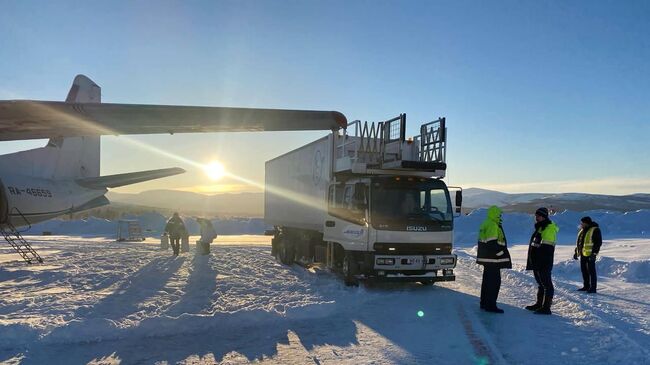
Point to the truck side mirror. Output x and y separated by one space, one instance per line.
459 200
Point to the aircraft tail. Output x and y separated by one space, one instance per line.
84 90
62 158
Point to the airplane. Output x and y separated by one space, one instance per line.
63 177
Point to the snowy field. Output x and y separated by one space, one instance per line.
100 302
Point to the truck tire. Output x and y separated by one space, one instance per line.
285 252
274 246
350 269
427 282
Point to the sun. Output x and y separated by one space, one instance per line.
215 170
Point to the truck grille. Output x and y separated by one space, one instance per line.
396 248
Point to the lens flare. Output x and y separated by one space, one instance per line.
420 314
215 170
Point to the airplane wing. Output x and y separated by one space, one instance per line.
114 181
27 119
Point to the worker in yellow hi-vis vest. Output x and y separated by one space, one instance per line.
587 247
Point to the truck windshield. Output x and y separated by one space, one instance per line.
410 203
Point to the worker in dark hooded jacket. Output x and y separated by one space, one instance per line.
541 252
493 255
176 229
587 247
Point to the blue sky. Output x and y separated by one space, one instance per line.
539 96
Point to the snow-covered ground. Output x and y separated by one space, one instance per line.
97 301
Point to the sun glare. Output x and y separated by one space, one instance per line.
214 170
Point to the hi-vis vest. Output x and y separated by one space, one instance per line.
490 231
588 243
548 235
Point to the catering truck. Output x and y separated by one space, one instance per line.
366 202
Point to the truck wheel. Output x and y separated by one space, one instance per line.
350 270
285 253
427 282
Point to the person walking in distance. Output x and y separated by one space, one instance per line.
541 251
175 228
587 247
493 255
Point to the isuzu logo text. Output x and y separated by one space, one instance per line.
416 228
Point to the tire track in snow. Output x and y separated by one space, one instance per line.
481 348
479 337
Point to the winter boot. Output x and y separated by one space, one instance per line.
538 305
584 288
494 310
546 307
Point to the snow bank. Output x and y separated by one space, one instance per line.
632 271
638 272
152 225
518 226
85 227
17 333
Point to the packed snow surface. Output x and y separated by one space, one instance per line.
101 302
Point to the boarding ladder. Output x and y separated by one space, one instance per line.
17 242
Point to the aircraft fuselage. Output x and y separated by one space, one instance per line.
27 200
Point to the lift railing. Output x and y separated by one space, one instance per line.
433 141
376 144
372 143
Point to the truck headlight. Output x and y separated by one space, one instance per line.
385 261
447 261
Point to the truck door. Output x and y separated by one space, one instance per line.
346 221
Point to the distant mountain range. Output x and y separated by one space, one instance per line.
241 204
252 204
481 198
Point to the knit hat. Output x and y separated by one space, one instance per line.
542 212
586 220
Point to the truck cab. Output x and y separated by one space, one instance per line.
392 227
